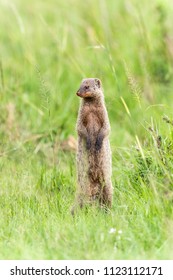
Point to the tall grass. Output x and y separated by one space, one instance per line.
46 48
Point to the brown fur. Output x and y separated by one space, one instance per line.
94 164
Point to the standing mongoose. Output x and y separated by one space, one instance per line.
94 162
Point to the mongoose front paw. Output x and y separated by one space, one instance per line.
88 144
99 142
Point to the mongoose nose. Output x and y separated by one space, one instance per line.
78 93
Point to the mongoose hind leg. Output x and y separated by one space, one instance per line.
106 197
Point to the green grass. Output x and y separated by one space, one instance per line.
46 48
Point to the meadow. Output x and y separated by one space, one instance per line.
47 48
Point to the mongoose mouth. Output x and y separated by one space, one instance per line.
84 94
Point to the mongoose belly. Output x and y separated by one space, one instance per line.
93 126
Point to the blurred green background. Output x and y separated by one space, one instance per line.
46 49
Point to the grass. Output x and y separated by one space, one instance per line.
46 49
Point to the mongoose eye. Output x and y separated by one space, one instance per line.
86 87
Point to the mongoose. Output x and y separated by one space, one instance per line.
94 162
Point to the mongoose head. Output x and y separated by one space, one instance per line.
90 88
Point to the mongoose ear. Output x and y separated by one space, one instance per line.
98 83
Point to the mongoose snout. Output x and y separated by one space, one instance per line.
83 94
